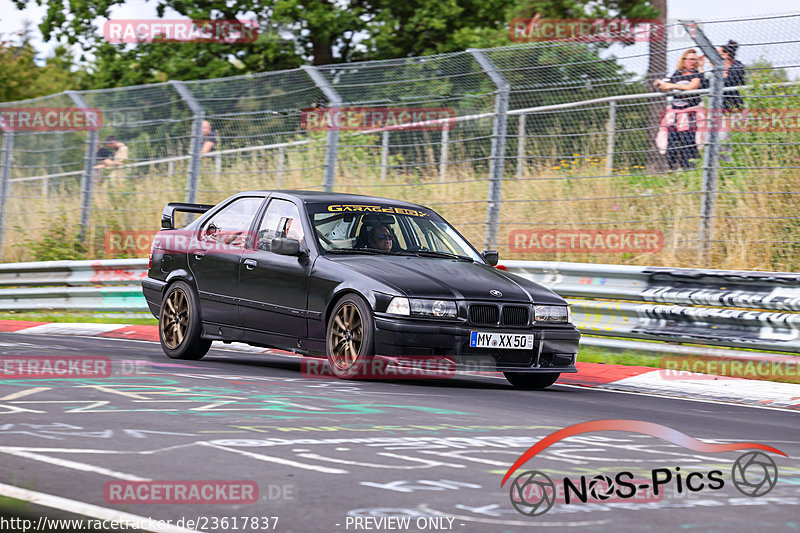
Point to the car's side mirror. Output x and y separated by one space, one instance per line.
285 246
491 256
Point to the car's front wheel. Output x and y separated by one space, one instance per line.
523 380
179 324
349 339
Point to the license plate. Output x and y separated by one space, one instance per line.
509 341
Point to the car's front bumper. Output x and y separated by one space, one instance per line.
555 347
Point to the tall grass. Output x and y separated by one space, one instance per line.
755 224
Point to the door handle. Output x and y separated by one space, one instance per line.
199 255
250 264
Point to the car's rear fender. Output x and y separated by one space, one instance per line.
153 301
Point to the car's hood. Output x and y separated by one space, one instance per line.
426 277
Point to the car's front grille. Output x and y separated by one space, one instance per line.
490 315
515 315
484 315
500 357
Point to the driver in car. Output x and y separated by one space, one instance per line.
380 238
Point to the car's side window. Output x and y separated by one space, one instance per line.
230 225
282 219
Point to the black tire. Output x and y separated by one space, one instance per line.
179 324
349 337
526 380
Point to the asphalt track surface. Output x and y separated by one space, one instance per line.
326 454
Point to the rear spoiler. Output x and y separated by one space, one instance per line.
168 216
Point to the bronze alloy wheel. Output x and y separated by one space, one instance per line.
349 340
179 324
345 336
174 321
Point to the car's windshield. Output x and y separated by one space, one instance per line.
387 229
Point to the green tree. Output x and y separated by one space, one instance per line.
22 78
295 32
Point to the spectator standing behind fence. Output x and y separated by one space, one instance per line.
209 138
680 120
733 76
115 163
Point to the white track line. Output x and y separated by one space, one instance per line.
86 509
75 465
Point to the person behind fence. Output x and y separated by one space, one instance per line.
209 138
680 119
116 163
733 76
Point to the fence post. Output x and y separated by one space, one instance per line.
55 162
87 180
332 147
521 145
443 153
5 176
498 143
711 153
281 162
197 140
384 154
611 128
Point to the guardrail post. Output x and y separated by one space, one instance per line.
5 176
87 180
611 128
197 140
711 153
332 147
498 143
521 145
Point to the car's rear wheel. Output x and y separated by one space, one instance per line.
524 380
349 339
179 324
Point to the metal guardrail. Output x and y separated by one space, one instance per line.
756 310
107 285
738 309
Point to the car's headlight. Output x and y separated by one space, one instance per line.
551 313
420 307
399 306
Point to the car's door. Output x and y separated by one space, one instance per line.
273 288
214 258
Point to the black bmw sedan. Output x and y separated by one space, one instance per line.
352 278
